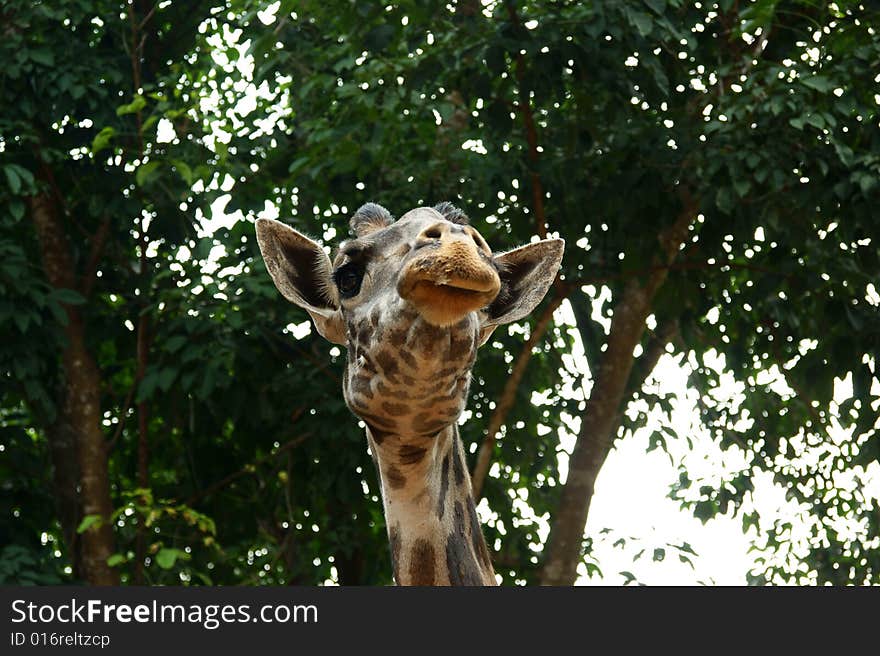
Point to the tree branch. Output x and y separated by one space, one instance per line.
249 469
98 240
508 396
525 109
654 349
601 415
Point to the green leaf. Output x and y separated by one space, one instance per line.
146 386
165 378
21 320
42 56
12 179
150 122
88 522
167 557
724 200
102 139
377 38
16 209
659 6
174 343
135 105
298 163
116 559
18 178
68 297
816 121
742 186
146 172
184 170
819 83
686 547
845 153
642 22
867 182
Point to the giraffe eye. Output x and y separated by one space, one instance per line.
348 280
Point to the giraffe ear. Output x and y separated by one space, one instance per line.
526 274
302 272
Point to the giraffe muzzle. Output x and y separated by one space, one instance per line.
448 282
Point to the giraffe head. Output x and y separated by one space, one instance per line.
411 300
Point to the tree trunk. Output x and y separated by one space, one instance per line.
143 470
77 429
600 419
65 478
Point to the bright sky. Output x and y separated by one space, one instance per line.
631 500
632 490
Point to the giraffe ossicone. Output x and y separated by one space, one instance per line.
412 300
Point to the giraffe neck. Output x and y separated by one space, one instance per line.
435 535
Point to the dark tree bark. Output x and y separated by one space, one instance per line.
601 416
76 434
65 477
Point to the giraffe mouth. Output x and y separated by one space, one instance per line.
466 291
445 289
445 304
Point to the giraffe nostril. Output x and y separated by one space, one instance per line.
432 233
479 241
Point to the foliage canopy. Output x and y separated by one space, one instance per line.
713 168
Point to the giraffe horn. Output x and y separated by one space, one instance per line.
370 217
451 213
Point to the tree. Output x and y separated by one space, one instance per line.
713 169
83 87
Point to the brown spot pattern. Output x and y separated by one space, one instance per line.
457 468
421 565
459 349
394 540
394 477
429 339
458 523
444 486
379 434
389 365
452 411
395 393
410 455
460 561
407 358
395 409
438 387
477 538
426 423
397 337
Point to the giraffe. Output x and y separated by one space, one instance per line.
412 300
